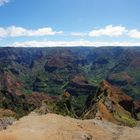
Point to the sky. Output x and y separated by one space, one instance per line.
42 23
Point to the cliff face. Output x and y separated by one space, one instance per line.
112 104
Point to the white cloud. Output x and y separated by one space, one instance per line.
43 32
3 2
109 30
3 33
14 31
134 34
35 43
78 34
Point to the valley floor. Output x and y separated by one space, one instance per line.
56 127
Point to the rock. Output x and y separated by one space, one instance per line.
5 122
82 136
112 104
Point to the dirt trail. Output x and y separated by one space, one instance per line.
56 127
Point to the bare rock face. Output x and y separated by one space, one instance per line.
112 104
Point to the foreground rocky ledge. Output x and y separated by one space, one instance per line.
56 127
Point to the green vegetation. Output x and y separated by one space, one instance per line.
24 71
129 121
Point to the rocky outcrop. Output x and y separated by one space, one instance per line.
56 127
111 104
5 122
52 127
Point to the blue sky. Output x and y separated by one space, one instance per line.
69 22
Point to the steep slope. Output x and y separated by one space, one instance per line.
111 104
